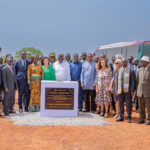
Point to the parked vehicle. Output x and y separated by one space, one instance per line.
135 49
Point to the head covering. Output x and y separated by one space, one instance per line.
52 55
145 58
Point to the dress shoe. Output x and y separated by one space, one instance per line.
12 111
79 109
140 122
6 114
99 111
147 122
129 121
119 119
26 110
85 110
20 111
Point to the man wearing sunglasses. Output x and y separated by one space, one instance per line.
21 67
9 85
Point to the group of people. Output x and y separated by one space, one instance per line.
122 82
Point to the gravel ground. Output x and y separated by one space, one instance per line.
34 119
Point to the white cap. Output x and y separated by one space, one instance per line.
145 58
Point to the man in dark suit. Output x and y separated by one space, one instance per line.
130 63
21 67
1 91
143 89
135 68
67 57
9 85
125 87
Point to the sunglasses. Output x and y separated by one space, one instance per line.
23 54
136 61
117 63
11 61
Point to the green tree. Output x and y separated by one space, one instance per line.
4 58
30 51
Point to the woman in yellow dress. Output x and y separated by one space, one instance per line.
35 74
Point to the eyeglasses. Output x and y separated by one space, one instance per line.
11 61
136 61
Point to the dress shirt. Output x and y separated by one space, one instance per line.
136 69
75 69
130 65
88 75
124 69
24 63
146 68
62 70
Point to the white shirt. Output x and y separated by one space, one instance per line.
124 69
24 61
146 68
135 70
62 70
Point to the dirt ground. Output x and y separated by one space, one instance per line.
118 136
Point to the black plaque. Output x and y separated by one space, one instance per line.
59 98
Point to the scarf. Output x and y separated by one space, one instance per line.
107 79
126 80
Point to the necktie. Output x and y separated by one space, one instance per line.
123 71
24 64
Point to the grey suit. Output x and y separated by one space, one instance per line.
143 92
126 97
10 83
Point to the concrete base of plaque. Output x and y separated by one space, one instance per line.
59 99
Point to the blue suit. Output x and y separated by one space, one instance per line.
21 72
111 66
75 69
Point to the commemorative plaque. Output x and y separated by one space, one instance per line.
59 98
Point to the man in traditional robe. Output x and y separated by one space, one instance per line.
143 89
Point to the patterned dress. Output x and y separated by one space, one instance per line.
35 74
102 97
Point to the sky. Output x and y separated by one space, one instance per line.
72 26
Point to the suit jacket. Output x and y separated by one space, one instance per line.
9 79
1 77
132 82
111 66
143 83
21 72
132 67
